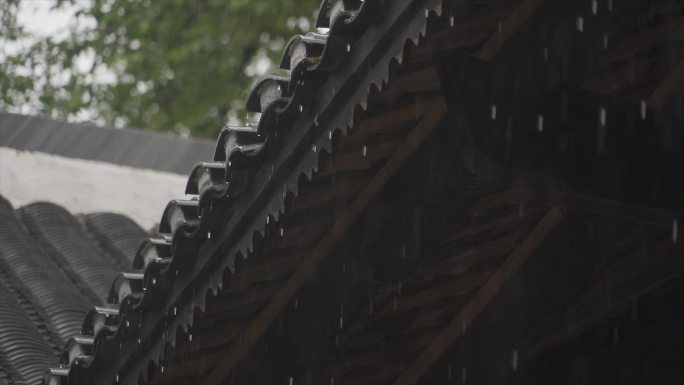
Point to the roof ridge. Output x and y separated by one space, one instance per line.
123 147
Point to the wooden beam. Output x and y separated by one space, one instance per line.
463 33
385 120
327 244
629 278
670 84
615 209
481 299
647 38
420 80
518 17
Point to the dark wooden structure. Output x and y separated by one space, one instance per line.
440 192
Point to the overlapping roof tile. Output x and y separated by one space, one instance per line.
51 267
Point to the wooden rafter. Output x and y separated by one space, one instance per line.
480 300
516 18
615 209
670 84
326 245
629 277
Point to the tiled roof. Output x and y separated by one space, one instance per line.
53 268
300 115
124 147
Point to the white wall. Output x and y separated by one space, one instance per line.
85 186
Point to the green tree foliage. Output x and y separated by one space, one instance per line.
177 64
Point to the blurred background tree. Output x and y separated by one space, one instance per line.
164 65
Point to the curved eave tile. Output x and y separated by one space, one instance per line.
308 48
265 91
125 284
152 249
100 317
178 211
345 17
78 346
204 175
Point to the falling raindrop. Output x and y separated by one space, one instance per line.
154 281
580 23
403 251
190 337
313 148
290 381
117 377
610 5
451 21
601 134
364 150
230 163
370 307
546 54
605 41
128 324
493 111
138 341
499 27
175 310
594 7
348 47
296 303
332 380
464 375
162 368
449 369
344 268
675 230
540 123
521 209
341 322
642 110
208 234
330 135
282 231
514 360
301 108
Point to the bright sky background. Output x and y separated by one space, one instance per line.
40 19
